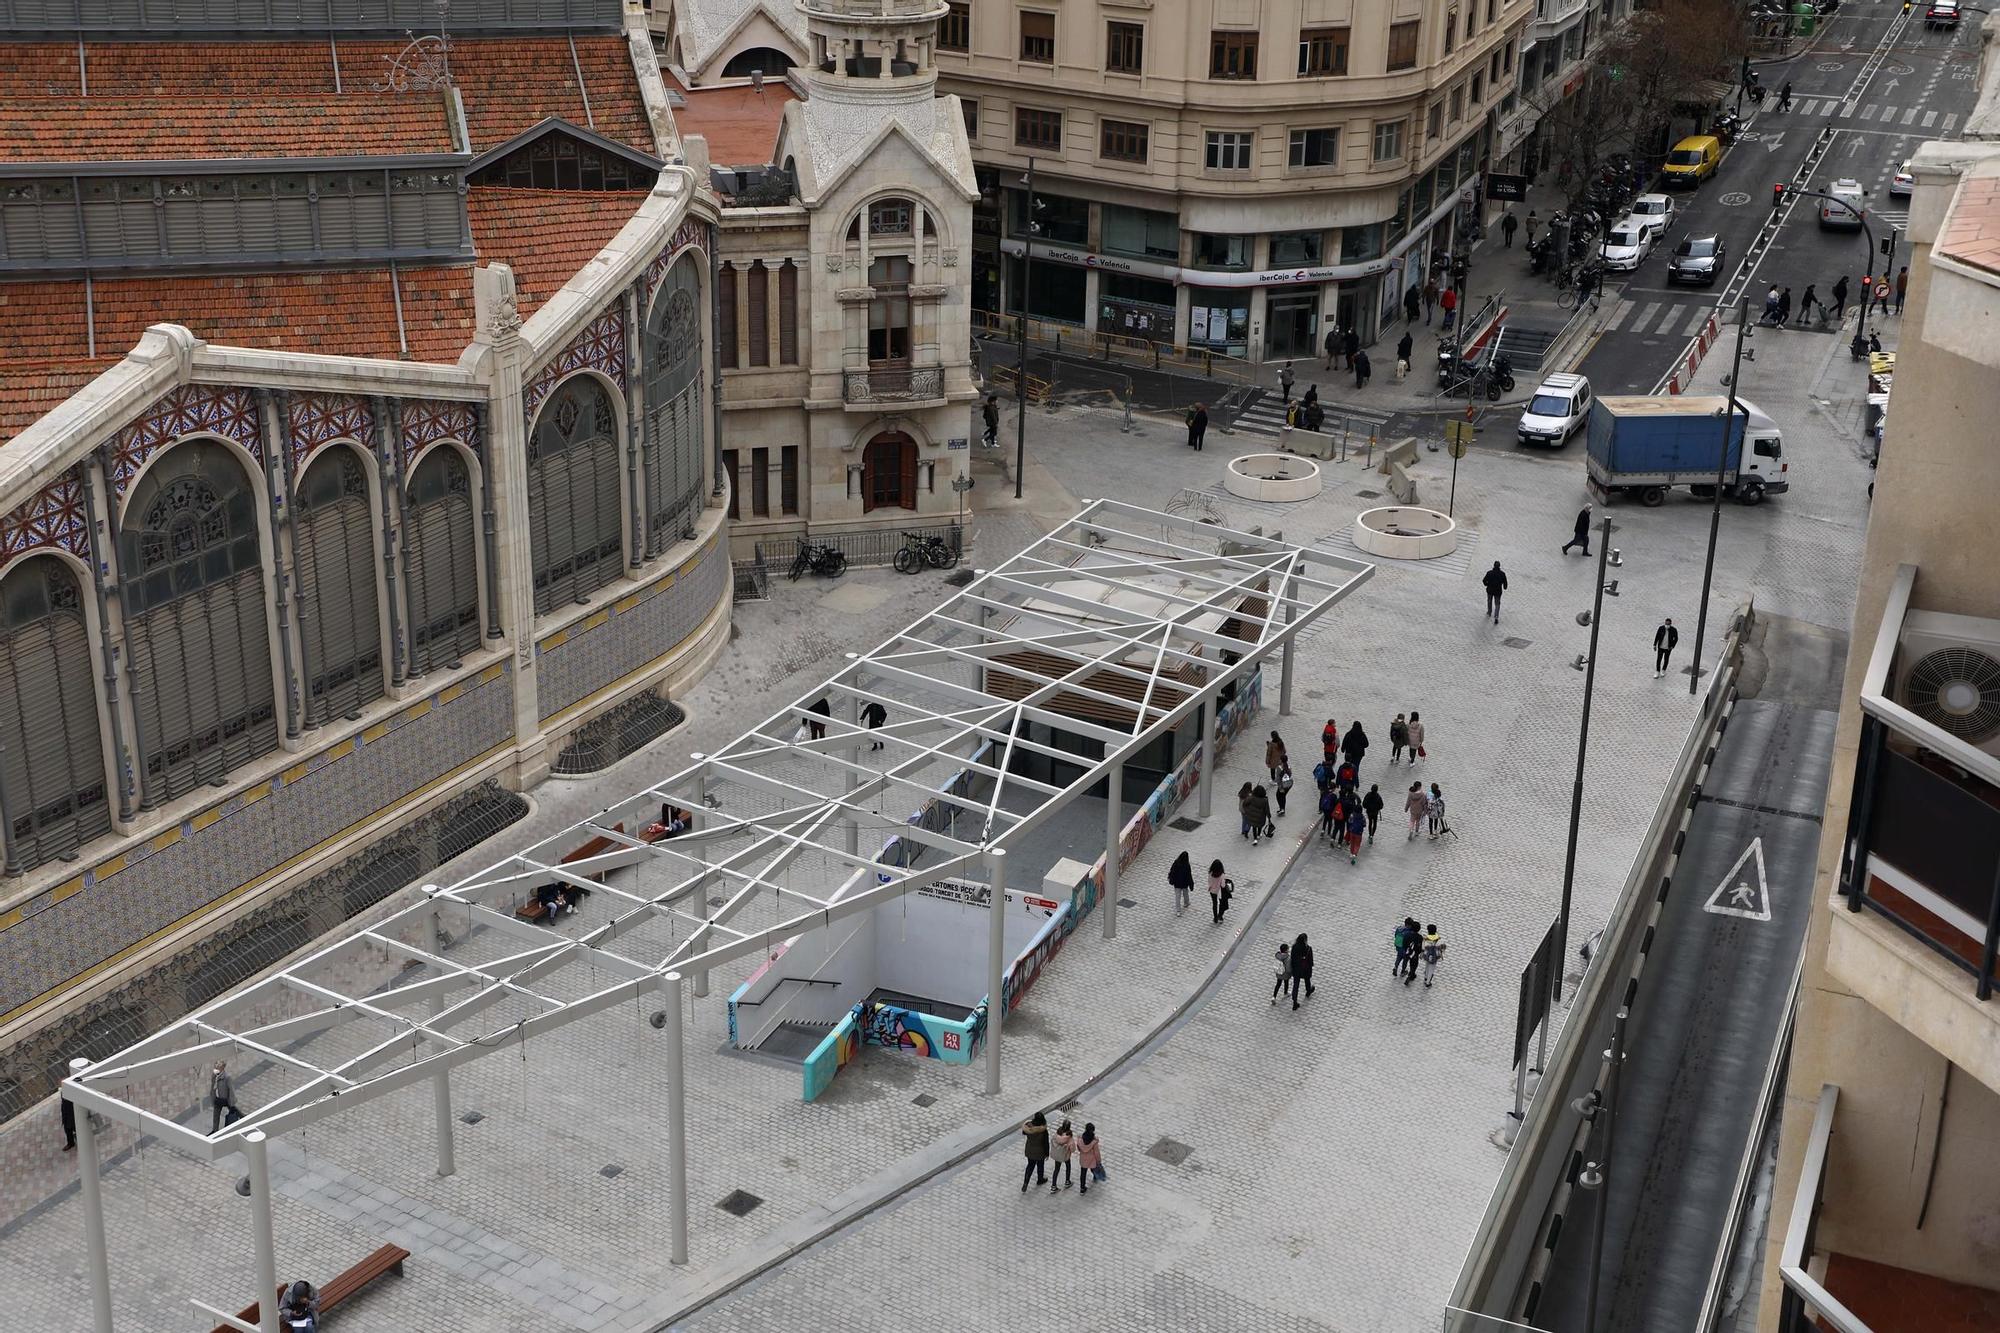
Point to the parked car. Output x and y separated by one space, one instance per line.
1655 211
1902 183
1845 206
1942 14
1692 160
1697 259
1558 410
1626 245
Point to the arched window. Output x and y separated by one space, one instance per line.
772 63
673 407
442 578
52 785
573 524
889 472
193 595
338 629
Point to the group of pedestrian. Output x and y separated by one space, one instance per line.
1307 411
1062 1157
1254 804
1343 346
1295 968
1221 888
1426 811
1414 944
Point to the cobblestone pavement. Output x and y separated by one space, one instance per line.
1337 1158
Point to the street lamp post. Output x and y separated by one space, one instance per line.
1021 341
1582 749
1721 474
1596 1174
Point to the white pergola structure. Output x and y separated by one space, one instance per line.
1114 628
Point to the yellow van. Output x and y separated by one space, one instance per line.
1693 159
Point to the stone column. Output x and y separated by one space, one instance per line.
507 463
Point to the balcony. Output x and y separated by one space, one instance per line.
895 384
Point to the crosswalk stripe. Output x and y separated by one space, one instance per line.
1619 310
1950 123
1868 112
1910 115
1930 119
1832 105
1697 317
1645 317
1888 113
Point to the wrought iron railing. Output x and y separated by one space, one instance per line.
894 382
869 547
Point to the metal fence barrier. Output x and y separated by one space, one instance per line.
867 548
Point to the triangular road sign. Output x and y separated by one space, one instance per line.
1745 891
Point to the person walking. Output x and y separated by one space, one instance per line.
1533 222
67 1113
1665 639
1430 299
1784 104
1329 739
1433 950
1329 810
1274 755
1447 302
1409 947
1332 345
1404 347
1355 744
1882 296
1362 370
1436 812
873 715
1181 876
1218 890
1357 824
222 1098
1771 305
1035 1147
1371 805
1310 404
1302 968
1243 806
1259 812
1285 380
1399 740
1061 1175
1350 345
1282 786
1413 301
1840 299
1807 304
1089 1159
1495 580
1284 963
1902 286
1416 805
1398 939
1580 537
1197 424
1509 224
1417 750
989 411
1784 307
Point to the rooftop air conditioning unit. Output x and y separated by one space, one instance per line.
1948 673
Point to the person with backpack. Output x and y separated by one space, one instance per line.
1433 949
1329 740
1357 824
1322 776
1090 1159
1416 729
1243 807
1274 755
1399 739
1416 805
1219 889
1408 942
1371 806
1282 786
1354 745
1302 968
1436 812
1329 810
1283 960
1181 876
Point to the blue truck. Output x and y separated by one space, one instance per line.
1645 446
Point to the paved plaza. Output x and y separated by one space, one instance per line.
1323 1169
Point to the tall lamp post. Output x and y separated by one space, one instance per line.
1021 340
1721 476
1582 750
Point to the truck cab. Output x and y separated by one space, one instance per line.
1764 470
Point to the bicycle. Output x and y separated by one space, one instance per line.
921 549
818 558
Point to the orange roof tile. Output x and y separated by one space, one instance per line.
125 129
1972 232
31 393
740 123
546 236
510 84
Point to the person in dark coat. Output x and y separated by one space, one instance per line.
1665 639
824 709
1581 537
1197 423
1413 301
1371 805
1351 344
1354 744
1362 370
1403 350
68 1112
1495 580
1257 814
1332 346
873 715
1181 876
1509 224
1302 968
1840 298
1035 1147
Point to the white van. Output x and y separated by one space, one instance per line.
1557 411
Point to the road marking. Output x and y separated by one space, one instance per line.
1618 313
1645 317
1889 112
1930 119
1869 113
1738 894
1950 123
1697 320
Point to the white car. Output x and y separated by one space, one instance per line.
1655 211
1557 411
1902 183
1626 245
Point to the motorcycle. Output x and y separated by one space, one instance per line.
1496 378
818 558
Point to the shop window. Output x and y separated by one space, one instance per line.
1294 249
1122 141
1058 217
1213 250
1359 244
1038 37
889 473
1403 45
1141 231
955 29
1232 55
1314 148
1388 140
1322 52
1228 150
1038 129
1124 47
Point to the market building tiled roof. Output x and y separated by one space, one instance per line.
739 122
510 85
136 129
545 236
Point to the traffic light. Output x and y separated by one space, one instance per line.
1888 246
1777 196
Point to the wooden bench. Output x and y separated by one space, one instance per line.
388 1259
532 910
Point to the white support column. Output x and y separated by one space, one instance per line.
256 1152
93 1213
441 1097
996 962
852 782
1205 787
696 818
677 1164
1285 666
1114 824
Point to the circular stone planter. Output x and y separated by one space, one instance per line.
1277 478
1405 532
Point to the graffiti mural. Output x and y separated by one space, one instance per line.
1048 942
928 1035
833 1054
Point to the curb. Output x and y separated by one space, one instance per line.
852 1207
